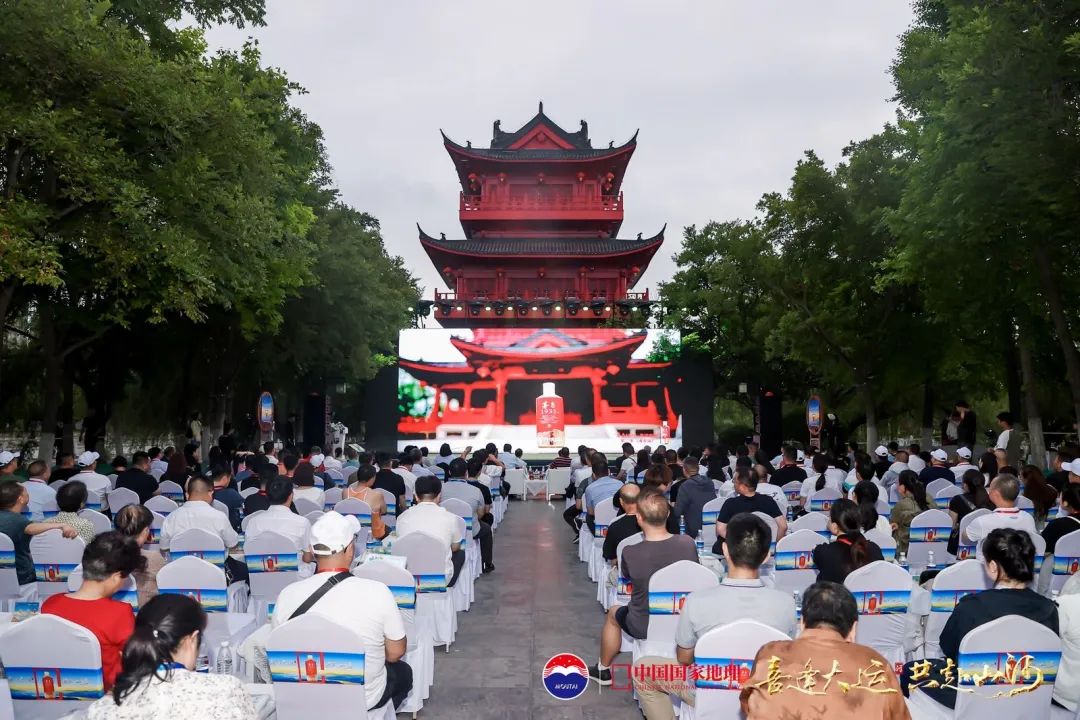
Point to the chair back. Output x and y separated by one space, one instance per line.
951 584
814 521
400 581
1026 505
557 480
358 508
53 666
463 510
94 500
668 588
966 552
929 533
882 593
55 556
605 514
317 669
155 531
945 494
128 592
887 543
9 576
1018 653
198 543
121 497
272 564
792 490
57 484
101 522
312 517
197 579
936 486
390 500
516 479
710 511
248 491
332 497
336 475
723 660
822 500
247 519
794 568
1066 559
623 586
770 521
171 490
304 506
162 505
425 559
220 507
883 508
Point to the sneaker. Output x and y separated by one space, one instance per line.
489 568
602 677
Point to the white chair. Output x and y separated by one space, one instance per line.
619 593
304 506
272 564
516 478
200 544
9 576
425 558
463 591
57 484
312 517
247 519
794 568
965 551
887 543
929 533
1026 505
171 490
822 500
556 481
936 486
724 658
220 507
198 579
122 497
351 506
162 505
882 593
951 584
1023 650
668 588
390 500
248 492
331 498
128 592
55 556
945 494
317 671
709 513
101 523
53 667
155 531
336 476
1066 560
791 491
94 501
883 508
817 522
604 514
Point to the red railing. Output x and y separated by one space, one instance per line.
606 203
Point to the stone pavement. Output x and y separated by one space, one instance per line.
538 602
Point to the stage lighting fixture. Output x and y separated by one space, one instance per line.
444 308
558 308
534 308
607 308
459 308
523 310
573 307
547 309
500 308
488 308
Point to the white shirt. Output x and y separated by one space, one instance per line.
364 606
776 493
916 463
186 696
283 521
160 466
809 485
835 475
408 477
461 490
1067 685
1003 439
312 493
40 496
419 470
962 467
94 481
200 515
511 460
626 468
431 519
1014 518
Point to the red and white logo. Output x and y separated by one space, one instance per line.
566 676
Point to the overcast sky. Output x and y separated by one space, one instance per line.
727 95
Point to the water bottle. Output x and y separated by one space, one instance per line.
202 662
901 558
700 540
930 559
797 596
223 663
682 525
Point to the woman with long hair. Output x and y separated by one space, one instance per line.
973 498
134 521
913 500
643 463
851 550
988 466
1041 493
866 494
1069 521
177 470
157 679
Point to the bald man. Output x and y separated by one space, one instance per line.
625 525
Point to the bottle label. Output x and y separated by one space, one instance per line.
550 423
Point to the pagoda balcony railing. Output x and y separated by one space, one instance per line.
538 295
603 204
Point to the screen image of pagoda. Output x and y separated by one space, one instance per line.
541 389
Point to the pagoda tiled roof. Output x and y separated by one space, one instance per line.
535 154
543 247
579 139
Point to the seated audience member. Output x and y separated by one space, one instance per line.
106 564
119 465
158 678
741 595
810 485
1069 520
1009 556
257 501
963 463
198 513
134 521
89 476
1004 489
789 470
363 488
658 550
406 463
746 499
624 525
694 492
562 459
899 465
597 469
304 485
177 470
138 478
13 500
601 488
65 468
938 469
972 498
1036 489
71 498
1067 684
279 519
826 641
333 541
1064 459
387 479
428 517
484 519
913 500
37 487
221 477
851 550
866 494
479 479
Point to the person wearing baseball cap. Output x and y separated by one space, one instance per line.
938 469
366 607
1063 454
9 463
89 476
881 461
1073 469
963 463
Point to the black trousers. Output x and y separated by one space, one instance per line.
235 571
570 516
398 684
458 559
486 543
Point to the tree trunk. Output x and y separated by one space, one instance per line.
1036 441
53 378
7 293
67 415
928 415
1012 371
1052 291
871 416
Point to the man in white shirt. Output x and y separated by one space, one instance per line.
428 517
364 606
38 489
963 463
915 462
158 465
1003 491
1007 448
892 475
627 463
198 513
512 461
94 481
821 468
278 518
405 470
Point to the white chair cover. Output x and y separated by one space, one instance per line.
951 584
945 494
331 498
1066 559
887 543
516 478
162 505
668 588
1026 505
709 512
723 659
391 501
199 543
817 522
929 533
882 593
9 578
120 497
604 514
155 531
556 481
964 551
198 579
792 490
94 501
55 556
462 591
171 490
425 558
352 506
313 517
248 491
936 486
794 568
822 500
53 667
101 522
619 593
128 592
883 508
272 564
304 506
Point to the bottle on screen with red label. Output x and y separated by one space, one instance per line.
550 423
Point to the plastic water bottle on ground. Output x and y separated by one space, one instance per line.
223 663
700 540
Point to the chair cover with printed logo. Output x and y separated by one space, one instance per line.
936 486
930 532
1006 654
248 491
965 551
170 490
421 653
882 593
425 557
668 588
472 548
55 556
817 522
247 519
883 508
951 584
336 476
463 591
199 543
53 667
887 543
95 500
1066 560
556 480
317 670
128 592
162 505
710 511
792 490
604 514
769 565
205 583
390 516
331 498
9 577
794 562
155 531
516 479
723 660
822 500
618 586
101 522
304 506
121 497
272 564
943 495
358 508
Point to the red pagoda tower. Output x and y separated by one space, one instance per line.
541 211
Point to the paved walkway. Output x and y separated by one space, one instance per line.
538 603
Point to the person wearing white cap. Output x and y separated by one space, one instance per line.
963 463
364 606
9 463
938 468
88 475
881 461
1073 469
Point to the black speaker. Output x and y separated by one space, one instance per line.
772 426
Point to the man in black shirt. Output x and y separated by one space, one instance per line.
789 470
938 468
625 525
387 479
746 500
138 478
65 468
1060 477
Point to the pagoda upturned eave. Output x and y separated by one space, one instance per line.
528 248
534 155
